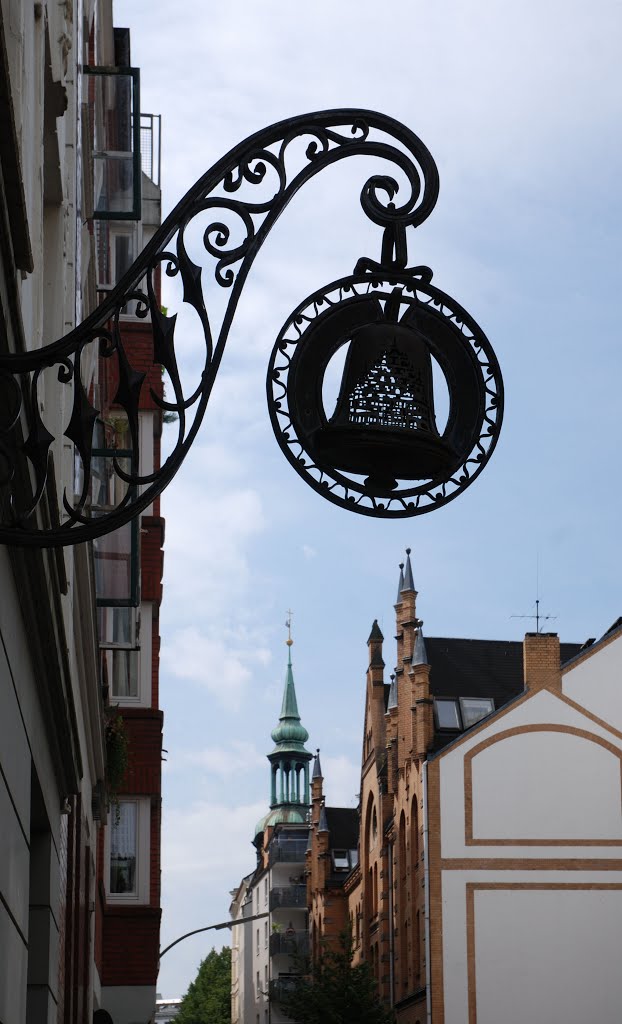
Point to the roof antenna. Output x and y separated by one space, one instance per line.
538 617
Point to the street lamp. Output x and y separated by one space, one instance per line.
213 927
380 452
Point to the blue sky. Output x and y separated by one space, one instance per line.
520 106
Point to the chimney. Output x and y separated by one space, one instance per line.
541 662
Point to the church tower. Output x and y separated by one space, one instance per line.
290 798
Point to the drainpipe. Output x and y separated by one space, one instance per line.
426 882
391 931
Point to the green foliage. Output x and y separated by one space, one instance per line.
208 999
117 758
333 991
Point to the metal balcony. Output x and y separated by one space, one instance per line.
292 852
289 942
281 987
287 896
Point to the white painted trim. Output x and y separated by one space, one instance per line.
143 698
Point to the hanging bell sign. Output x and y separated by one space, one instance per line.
381 449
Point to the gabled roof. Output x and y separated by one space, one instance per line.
480 668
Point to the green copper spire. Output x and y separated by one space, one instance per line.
289 761
290 734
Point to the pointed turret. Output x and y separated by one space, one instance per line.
317 768
376 633
420 656
392 701
290 733
323 825
400 585
409 583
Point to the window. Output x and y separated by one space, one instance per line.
265 933
257 949
474 709
114 112
461 713
265 892
127 842
447 716
343 860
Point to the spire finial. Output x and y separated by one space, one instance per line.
409 583
288 623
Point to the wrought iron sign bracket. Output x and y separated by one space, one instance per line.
381 452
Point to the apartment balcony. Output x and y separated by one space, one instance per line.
288 896
289 942
291 852
282 987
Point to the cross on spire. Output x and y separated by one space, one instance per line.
288 623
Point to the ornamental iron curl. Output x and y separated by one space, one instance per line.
30 512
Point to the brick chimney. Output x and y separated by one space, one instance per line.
541 662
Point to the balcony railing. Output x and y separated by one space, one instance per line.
289 942
292 852
288 896
281 987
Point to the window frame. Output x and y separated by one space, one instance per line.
134 73
458 706
143 828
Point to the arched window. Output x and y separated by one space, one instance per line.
415 887
402 907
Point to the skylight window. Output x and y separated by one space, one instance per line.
457 714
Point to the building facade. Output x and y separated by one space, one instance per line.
69 618
273 899
485 880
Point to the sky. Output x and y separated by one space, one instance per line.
520 106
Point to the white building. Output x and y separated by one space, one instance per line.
524 823
274 897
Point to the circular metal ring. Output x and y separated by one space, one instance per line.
326 321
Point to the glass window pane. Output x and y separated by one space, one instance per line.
115 164
107 488
113 565
123 849
120 671
475 708
447 714
117 627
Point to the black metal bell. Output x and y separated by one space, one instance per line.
384 425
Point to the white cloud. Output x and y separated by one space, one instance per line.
342 780
221 663
308 551
242 756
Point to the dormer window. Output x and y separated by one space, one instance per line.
344 860
458 714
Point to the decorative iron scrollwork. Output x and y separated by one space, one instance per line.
241 198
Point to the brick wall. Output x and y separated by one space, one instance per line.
131 945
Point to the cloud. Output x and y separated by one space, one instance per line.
342 780
308 551
193 846
221 663
218 760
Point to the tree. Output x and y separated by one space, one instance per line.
332 991
208 999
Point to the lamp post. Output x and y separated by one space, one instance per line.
213 927
380 452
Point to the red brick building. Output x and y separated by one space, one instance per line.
129 567
373 874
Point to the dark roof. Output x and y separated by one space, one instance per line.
343 825
480 668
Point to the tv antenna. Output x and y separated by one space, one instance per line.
538 617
